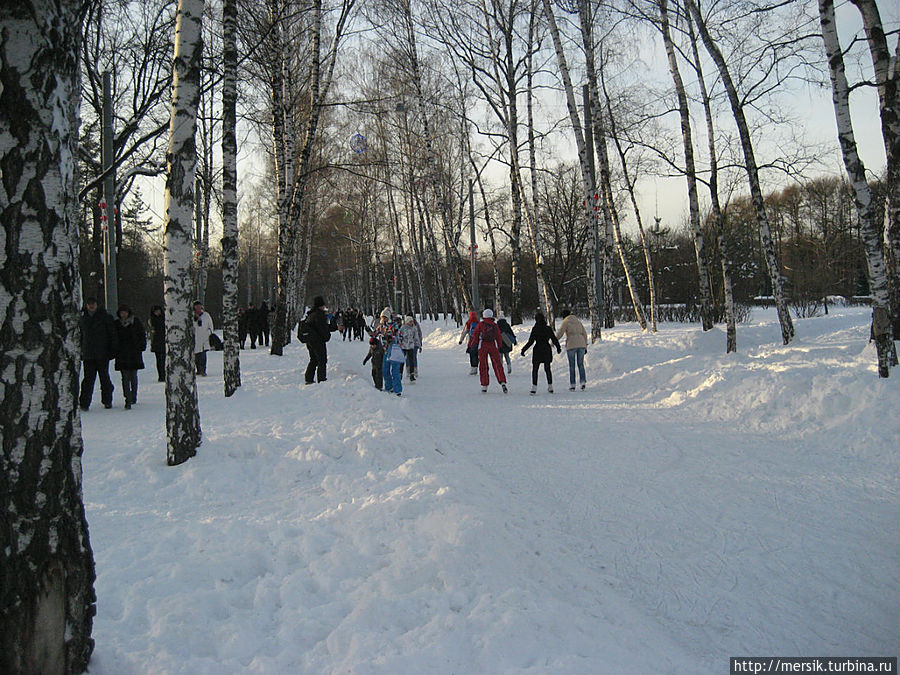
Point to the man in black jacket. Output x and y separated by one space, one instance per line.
319 334
98 345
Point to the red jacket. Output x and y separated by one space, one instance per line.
486 325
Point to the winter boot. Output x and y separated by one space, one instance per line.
582 386
533 390
549 388
572 388
505 390
484 390
473 370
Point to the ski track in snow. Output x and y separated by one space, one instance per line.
687 507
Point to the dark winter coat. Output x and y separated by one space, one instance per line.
320 332
506 329
132 343
541 337
376 353
98 336
157 331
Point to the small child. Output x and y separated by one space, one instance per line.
376 353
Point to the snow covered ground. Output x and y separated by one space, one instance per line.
687 507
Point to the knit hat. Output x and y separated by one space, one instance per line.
407 319
318 301
488 314
386 312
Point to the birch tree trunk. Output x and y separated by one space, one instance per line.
638 308
182 413
603 200
717 215
453 258
586 174
887 79
47 600
706 311
534 227
319 85
762 218
862 195
231 358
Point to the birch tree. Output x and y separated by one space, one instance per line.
182 412
295 165
47 600
856 171
752 170
231 357
716 207
587 179
690 172
887 80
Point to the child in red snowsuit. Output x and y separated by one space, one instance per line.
487 339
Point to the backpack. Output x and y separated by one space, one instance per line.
304 331
489 332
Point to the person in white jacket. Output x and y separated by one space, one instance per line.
203 329
576 346
411 344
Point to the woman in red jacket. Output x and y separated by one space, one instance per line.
487 339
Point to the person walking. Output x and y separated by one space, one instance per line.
411 343
319 332
486 340
376 354
99 344
158 340
541 337
576 346
129 357
264 320
387 331
467 335
508 336
203 329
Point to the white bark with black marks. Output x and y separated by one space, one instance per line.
706 311
47 600
182 411
862 194
231 358
750 165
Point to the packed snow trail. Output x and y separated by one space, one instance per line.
685 508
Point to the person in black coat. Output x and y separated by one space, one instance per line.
319 334
129 357
541 337
98 345
251 317
264 323
158 340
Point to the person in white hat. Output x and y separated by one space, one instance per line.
486 337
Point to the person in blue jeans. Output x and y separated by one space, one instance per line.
576 346
392 370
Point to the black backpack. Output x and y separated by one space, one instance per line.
304 331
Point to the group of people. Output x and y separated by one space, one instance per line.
123 340
254 323
494 340
395 343
104 338
351 323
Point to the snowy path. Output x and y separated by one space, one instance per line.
675 513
